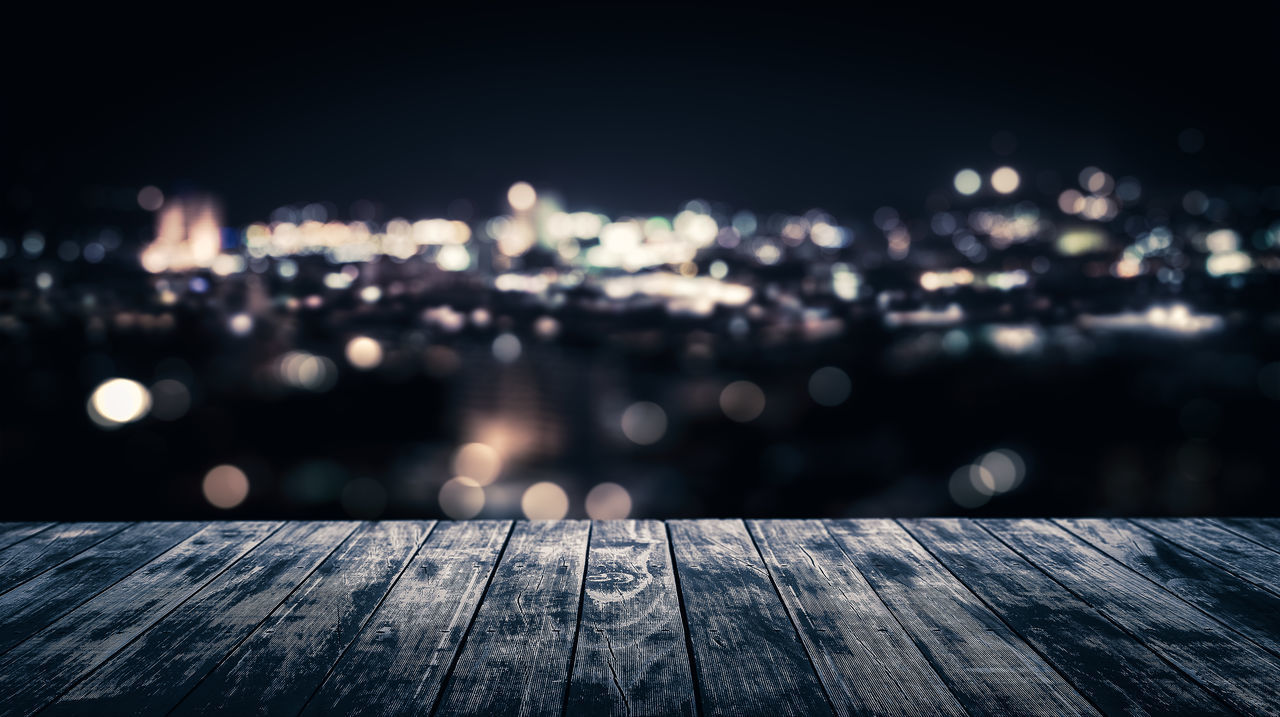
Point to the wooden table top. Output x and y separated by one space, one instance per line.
642 617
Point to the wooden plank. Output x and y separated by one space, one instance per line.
1235 670
35 604
35 672
748 658
11 533
401 657
1209 540
1263 531
154 672
279 667
1245 608
46 549
631 656
988 667
867 662
1116 673
516 658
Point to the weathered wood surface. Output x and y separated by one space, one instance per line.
34 604
517 656
1215 542
1246 608
159 668
1263 531
11 533
44 666
1116 673
747 655
865 659
988 667
1235 670
912 617
631 657
280 666
48 548
400 660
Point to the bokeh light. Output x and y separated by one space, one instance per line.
608 501
1004 468
742 401
507 348
544 501
304 370
967 182
241 324
225 486
829 386
644 423
521 196
364 353
150 198
1005 180
170 399
479 462
969 486
461 498
118 401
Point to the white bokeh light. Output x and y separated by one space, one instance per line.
521 196
1005 468
118 401
967 182
364 353
544 501
1005 180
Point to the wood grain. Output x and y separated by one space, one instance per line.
48 548
912 617
279 667
1210 540
747 655
866 661
35 604
1263 531
1235 670
35 672
158 669
988 667
11 533
1242 606
516 658
401 657
1116 673
631 657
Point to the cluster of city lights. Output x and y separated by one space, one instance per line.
664 256
719 270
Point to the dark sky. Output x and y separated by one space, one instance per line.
628 107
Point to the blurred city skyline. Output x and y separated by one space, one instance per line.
646 260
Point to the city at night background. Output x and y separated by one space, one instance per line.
640 261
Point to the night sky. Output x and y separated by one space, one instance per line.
624 108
